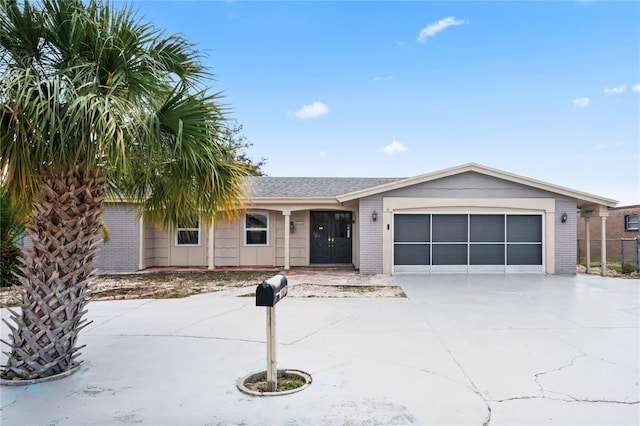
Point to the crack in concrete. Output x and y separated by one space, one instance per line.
9 404
96 324
473 387
602 401
338 321
562 367
544 392
605 401
589 355
555 370
515 398
187 336
213 316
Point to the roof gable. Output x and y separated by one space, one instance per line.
581 197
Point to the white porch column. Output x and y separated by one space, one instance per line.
287 240
211 264
141 264
603 245
588 238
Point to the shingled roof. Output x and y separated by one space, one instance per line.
267 186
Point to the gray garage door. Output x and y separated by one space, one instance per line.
467 242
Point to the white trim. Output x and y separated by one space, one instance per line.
626 222
198 229
287 241
141 246
544 206
245 229
211 262
468 268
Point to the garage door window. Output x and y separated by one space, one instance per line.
486 238
412 237
524 240
468 242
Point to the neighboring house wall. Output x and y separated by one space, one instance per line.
370 234
565 249
120 253
615 231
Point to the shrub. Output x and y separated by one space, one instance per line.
12 222
9 265
628 268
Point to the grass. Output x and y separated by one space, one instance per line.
195 277
284 384
613 265
357 288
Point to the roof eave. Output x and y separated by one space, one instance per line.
293 200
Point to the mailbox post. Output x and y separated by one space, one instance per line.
269 293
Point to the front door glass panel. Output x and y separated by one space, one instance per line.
331 237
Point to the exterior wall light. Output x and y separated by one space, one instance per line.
374 216
292 227
564 217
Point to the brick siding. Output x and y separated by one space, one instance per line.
565 250
370 236
121 253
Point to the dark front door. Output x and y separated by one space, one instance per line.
331 237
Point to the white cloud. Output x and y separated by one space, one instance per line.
433 29
615 90
636 88
393 147
313 110
581 102
604 146
386 78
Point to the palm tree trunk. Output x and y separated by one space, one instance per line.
65 229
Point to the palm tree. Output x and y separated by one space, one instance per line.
95 102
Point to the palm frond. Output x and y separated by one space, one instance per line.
102 88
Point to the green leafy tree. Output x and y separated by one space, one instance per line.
94 101
237 142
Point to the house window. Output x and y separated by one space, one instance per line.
188 235
256 229
631 222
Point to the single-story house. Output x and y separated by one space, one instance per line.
468 218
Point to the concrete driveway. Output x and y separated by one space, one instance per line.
461 349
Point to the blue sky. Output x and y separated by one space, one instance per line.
548 90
